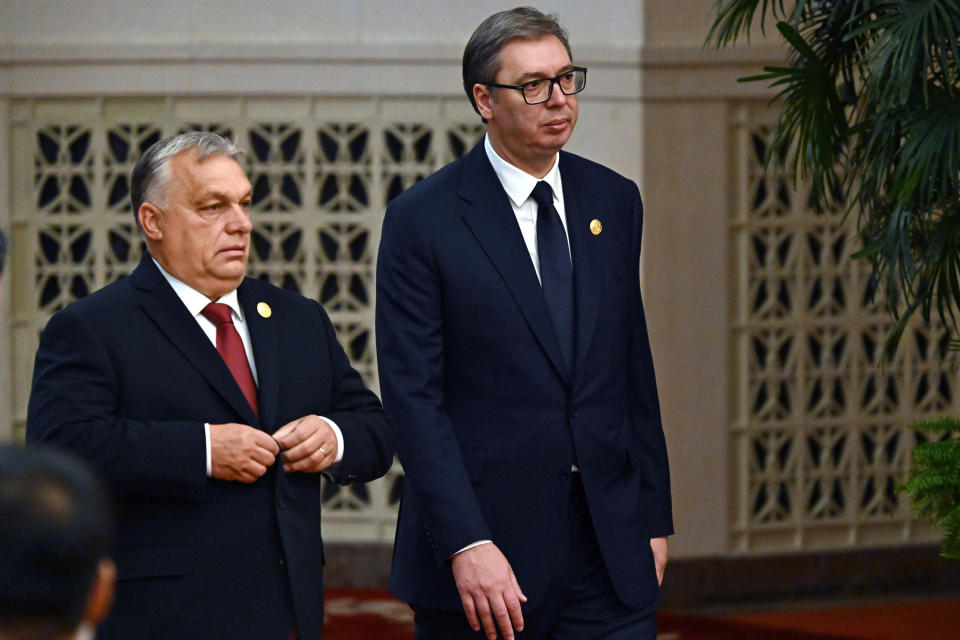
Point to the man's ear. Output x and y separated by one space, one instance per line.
483 96
151 221
101 593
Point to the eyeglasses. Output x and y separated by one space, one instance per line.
540 90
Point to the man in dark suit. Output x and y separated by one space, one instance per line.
205 419
515 366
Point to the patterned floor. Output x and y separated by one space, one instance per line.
368 614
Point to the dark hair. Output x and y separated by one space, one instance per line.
56 524
481 56
3 250
149 177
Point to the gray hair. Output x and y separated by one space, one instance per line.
152 172
481 56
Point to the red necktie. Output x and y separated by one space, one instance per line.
231 349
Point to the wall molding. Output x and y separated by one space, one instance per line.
348 69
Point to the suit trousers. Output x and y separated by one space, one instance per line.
580 603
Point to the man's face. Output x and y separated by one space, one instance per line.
202 233
529 136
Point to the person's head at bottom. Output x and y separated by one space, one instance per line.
56 532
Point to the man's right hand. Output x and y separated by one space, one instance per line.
240 453
489 591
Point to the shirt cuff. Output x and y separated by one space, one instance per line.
339 435
471 546
206 437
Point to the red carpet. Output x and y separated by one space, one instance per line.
372 614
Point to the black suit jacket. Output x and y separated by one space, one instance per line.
126 378
487 421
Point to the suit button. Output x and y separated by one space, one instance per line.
282 564
281 504
564 475
574 413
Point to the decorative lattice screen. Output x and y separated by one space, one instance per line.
820 442
322 173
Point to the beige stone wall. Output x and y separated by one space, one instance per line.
659 108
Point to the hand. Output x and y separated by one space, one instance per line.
308 443
659 547
239 452
488 590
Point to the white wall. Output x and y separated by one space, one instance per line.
293 22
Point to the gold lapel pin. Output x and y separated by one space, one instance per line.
264 310
596 227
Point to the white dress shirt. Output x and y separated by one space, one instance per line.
195 303
519 185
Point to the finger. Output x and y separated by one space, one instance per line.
319 460
470 609
286 435
263 457
255 469
516 587
247 476
514 612
486 618
266 444
501 615
313 445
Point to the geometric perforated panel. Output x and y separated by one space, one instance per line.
820 438
322 172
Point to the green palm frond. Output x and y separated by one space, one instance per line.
869 116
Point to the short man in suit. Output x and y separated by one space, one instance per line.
515 366
210 402
56 532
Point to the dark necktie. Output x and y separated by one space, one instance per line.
556 272
231 349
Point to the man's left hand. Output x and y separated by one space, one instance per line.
308 444
659 547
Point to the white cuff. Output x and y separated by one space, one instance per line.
206 437
472 545
339 435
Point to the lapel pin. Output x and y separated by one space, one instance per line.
596 227
264 310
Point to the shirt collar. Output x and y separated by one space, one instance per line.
516 182
196 301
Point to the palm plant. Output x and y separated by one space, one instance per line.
869 116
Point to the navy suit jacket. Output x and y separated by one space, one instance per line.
487 421
126 378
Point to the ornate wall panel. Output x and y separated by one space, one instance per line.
322 172
820 442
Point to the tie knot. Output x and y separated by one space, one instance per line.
217 313
543 194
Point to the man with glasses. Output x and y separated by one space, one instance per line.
515 366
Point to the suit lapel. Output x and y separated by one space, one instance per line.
581 204
161 304
490 218
263 337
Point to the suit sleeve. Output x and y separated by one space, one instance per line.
75 404
410 348
367 437
648 440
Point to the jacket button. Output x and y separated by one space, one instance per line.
281 504
282 564
564 475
